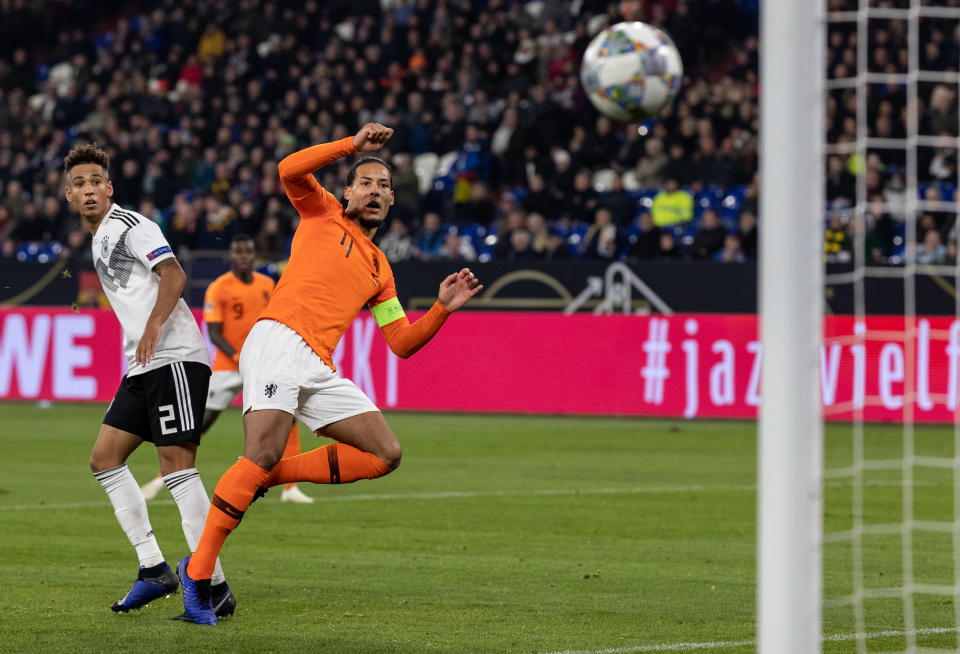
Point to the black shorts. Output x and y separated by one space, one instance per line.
163 406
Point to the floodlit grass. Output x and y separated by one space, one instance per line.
497 534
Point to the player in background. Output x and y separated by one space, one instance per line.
160 397
230 308
287 363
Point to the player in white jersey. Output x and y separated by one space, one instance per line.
161 398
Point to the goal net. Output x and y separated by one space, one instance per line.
891 483
859 520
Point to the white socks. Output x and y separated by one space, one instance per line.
192 500
131 511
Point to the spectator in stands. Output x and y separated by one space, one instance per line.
747 233
678 167
837 243
556 249
539 234
32 226
208 98
840 183
14 200
77 248
582 202
514 220
7 223
479 209
932 250
271 240
216 229
619 201
53 215
650 168
128 185
563 173
646 242
672 205
520 246
710 238
406 189
396 244
540 199
668 246
456 249
731 251
602 240
429 238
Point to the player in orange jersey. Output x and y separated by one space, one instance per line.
287 361
230 308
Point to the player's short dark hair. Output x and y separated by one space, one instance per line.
240 237
86 153
352 173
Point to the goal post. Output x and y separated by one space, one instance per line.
790 441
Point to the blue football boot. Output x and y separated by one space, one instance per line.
148 587
197 598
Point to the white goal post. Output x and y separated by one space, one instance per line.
790 460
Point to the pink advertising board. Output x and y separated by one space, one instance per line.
693 365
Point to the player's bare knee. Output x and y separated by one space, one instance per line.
99 463
391 455
265 457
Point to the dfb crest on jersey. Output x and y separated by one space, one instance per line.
105 247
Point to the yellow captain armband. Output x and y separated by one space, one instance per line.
386 312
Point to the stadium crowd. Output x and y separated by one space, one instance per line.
497 152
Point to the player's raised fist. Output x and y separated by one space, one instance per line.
371 137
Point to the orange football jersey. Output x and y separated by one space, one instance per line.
237 306
334 270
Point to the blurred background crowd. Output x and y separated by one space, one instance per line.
497 153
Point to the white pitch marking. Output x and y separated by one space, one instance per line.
635 490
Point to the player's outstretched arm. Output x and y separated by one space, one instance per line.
172 281
405 339
296 170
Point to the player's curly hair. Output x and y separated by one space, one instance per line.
352 173
86 153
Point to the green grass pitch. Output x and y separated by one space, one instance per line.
501 534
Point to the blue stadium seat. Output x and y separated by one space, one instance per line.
39 252
948 191
476 233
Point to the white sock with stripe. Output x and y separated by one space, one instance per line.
131 511
191 498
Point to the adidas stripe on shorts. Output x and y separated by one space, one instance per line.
164 406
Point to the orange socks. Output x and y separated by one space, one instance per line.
293 447
233 494
335 463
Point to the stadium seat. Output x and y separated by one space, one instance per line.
710 197
425 167
445 164
630 182
948 191
603 180
474 232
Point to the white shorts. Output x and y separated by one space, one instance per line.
280 371
224 386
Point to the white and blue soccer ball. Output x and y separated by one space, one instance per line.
631 71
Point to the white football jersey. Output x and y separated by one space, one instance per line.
126 247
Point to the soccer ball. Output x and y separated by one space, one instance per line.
631 71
